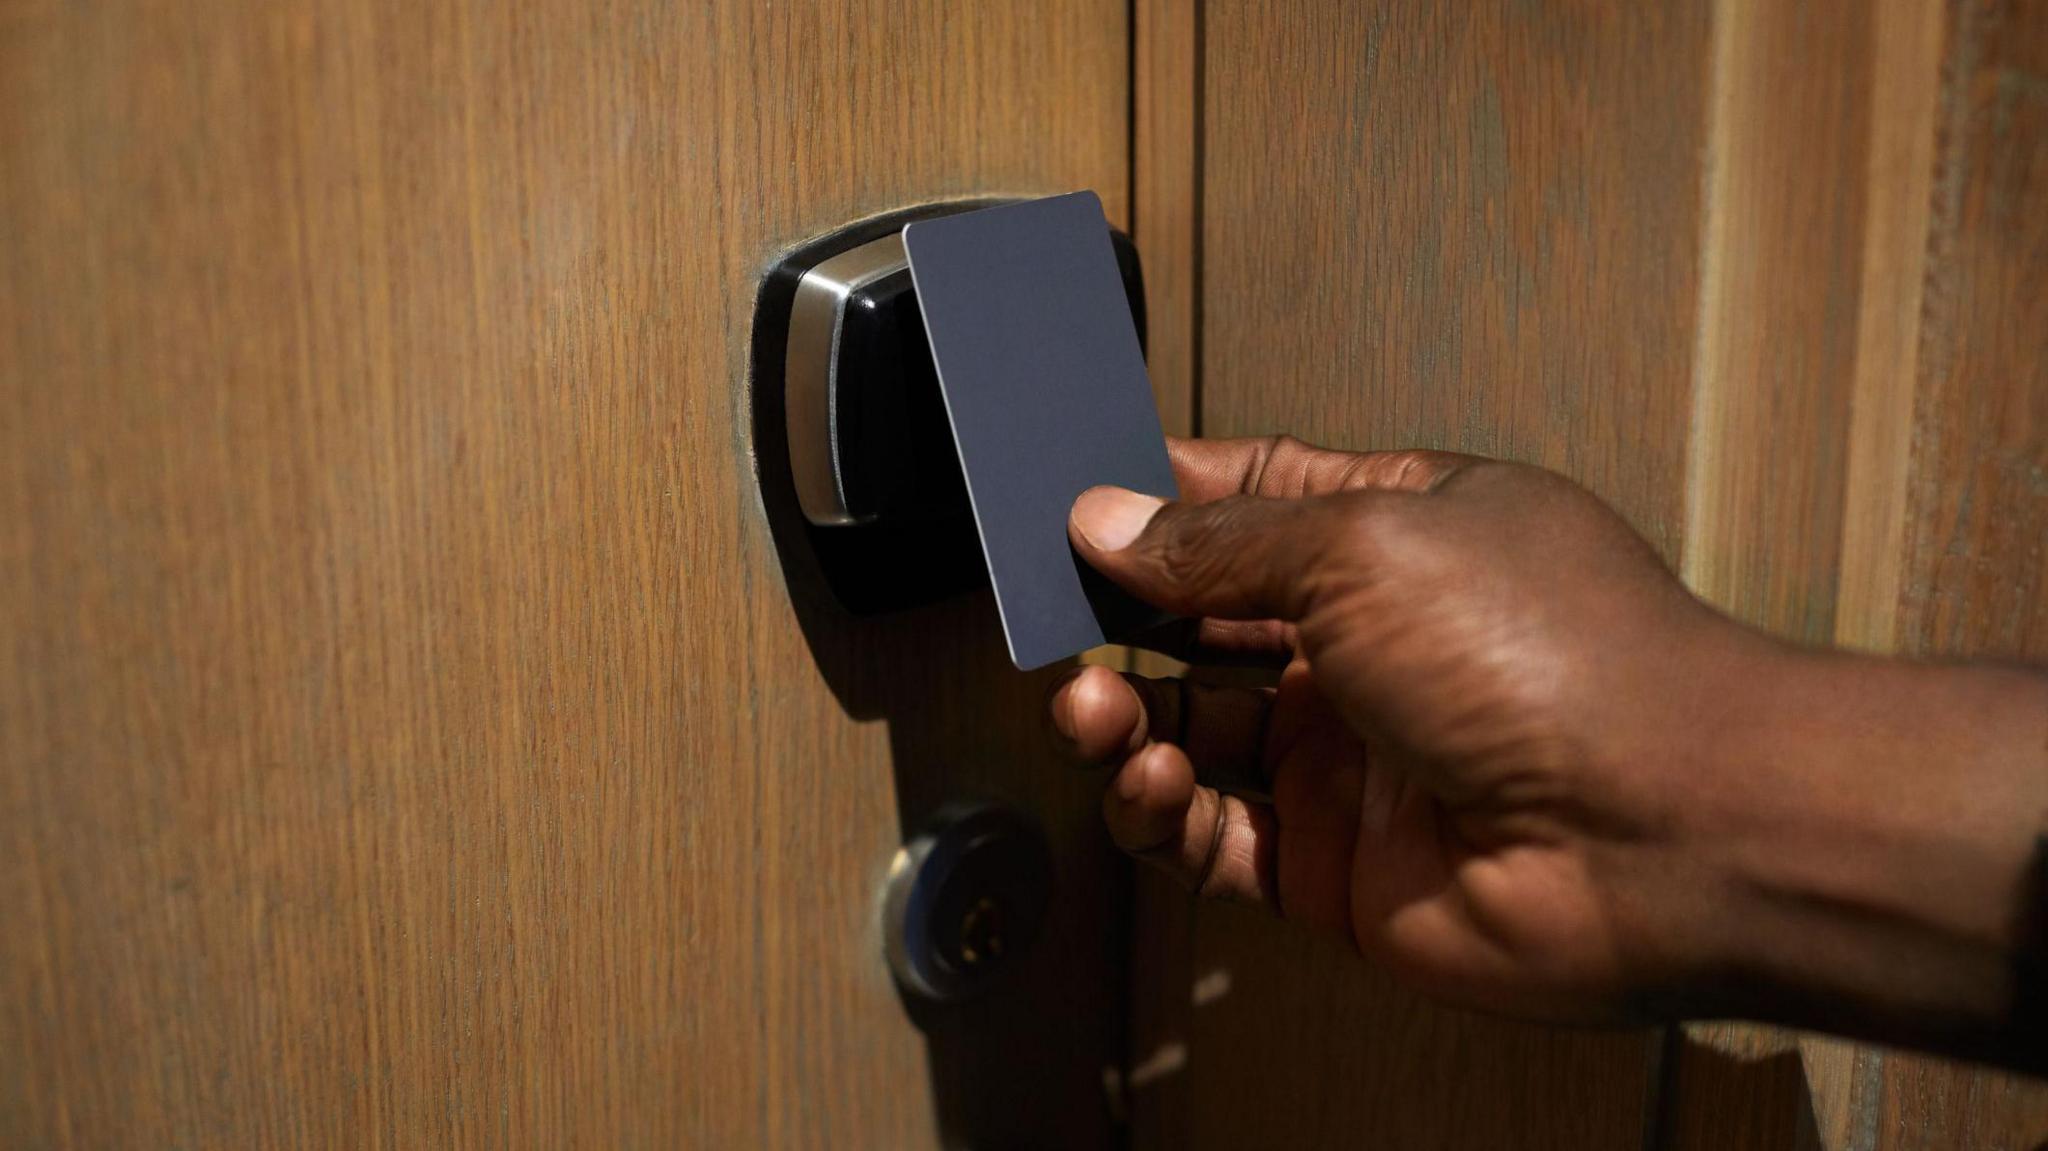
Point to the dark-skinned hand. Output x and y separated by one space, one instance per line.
1510 756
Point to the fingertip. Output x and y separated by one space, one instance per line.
1059 714
1098 714
1147 804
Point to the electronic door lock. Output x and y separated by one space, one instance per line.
849 416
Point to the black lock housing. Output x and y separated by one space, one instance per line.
849 422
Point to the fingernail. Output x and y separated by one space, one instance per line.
1110 518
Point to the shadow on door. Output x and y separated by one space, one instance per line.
1033 1061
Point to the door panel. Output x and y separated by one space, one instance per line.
1974 572
1448 225
410 737
1971 569
1765 276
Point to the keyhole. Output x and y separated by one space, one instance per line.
981 932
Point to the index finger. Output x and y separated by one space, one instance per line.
1282 467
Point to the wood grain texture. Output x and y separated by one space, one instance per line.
1456 225
1166 173
1908 38
1748 1085
409 738
1784 251
1976 566
1776 343
1974 574
1470 226
1166 188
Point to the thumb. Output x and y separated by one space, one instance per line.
1243 557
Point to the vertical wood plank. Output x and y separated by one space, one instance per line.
408 737
1166 173
1166 190
1976 575
1781 323
1907 48
1407 208
1470 226
1777 332
1974 580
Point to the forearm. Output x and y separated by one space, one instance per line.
1884 843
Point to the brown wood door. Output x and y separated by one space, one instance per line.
1766 276
409 739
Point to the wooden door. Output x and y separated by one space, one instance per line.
1766 276
409 738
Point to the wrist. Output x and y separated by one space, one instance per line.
1871 828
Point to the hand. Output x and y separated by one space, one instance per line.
1509 756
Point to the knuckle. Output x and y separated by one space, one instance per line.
1282 448
1278 456
1404 469
1377 543
1283 465
1414 469
1372 527
1199 547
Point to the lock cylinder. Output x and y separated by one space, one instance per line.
964 900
